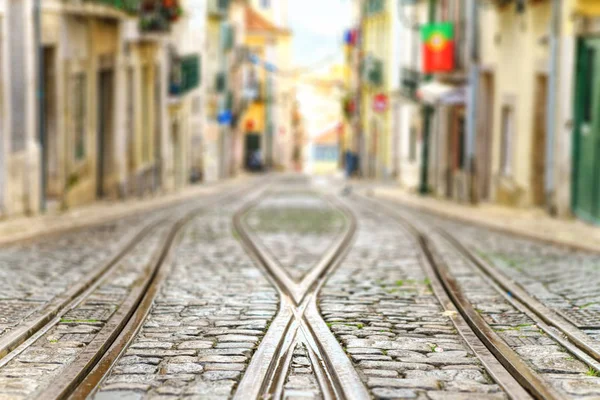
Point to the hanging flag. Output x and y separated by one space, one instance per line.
438 47
351 37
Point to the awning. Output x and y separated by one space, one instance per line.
435 92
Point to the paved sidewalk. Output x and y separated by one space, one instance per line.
531 223
20 228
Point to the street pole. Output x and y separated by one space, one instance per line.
268 122
223 130
359 59
551 103
427 115
40 101
470 154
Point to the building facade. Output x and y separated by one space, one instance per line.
103 126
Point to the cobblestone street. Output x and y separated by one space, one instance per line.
280 287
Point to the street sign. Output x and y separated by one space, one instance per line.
380 103
225 117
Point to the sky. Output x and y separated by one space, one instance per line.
318 27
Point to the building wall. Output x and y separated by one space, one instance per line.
521 54
21 177
376 152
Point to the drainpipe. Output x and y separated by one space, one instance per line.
470 156
551 105
357 120
427 115
40 101
268 118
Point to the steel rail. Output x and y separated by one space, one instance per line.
58 306
83 377
550 321
70 378
65 301
298 320
541 311
506 367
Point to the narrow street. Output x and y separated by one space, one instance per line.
281 287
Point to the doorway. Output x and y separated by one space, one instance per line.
373 149
51 167
483 168
177 153
251 151
105 131
538 159
586 156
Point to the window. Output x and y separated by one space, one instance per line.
265 3
507 138
79 115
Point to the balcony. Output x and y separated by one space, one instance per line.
128 6
374 7
218 8
254 92
372 71
104 8
157 16
409 82
185 75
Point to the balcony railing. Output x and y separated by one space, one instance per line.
218 8
129 6
372 71
409 82
374 7
158 15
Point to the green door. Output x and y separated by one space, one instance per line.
251 146
586 178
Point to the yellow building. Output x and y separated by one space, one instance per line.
374 145
264 119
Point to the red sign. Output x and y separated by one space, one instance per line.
380 102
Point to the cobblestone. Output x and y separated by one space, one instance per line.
379 303
546 356
562 279
301 382
203 326
297 228
32 274
48 356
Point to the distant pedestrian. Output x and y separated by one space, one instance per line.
348 170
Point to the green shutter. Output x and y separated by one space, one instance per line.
186 76
375 6
227 36
220 82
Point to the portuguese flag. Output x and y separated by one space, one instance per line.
438 47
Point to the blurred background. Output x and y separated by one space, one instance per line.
476 101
